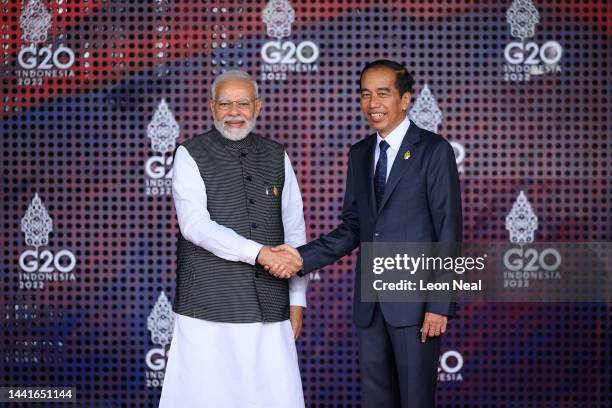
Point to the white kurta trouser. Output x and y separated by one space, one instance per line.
227 365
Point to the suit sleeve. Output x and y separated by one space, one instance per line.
342 240
444 198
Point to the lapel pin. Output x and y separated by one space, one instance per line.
275 191
406 154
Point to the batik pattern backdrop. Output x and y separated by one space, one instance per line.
97 94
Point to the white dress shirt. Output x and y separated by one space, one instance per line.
394 139
189 194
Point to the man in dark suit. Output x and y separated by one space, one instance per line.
402 186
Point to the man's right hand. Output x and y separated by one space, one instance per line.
282 261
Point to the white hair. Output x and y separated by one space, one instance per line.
233 74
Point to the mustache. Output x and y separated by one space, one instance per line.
239 118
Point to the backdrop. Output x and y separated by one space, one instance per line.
96 96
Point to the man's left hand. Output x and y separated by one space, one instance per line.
295 317
434 325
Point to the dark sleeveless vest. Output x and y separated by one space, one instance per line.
244 181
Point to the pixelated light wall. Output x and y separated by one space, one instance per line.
96 95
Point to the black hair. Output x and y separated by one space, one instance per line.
403 79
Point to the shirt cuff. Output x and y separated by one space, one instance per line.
297 298
250 252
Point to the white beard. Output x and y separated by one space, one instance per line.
234 134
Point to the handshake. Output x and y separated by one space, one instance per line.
282 261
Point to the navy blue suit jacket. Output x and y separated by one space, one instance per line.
421 203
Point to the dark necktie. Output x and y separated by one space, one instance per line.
380 175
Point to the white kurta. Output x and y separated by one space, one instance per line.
219 365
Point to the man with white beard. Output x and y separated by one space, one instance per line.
236 196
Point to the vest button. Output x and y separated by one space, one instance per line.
249 178
254 225
257 274
377 234
251 201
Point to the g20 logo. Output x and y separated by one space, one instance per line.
530 260
446 362
156 359
275 52
530 53
31 261
46 58
156 363
159 167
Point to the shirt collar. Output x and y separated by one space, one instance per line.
396 136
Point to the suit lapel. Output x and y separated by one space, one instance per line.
400 165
